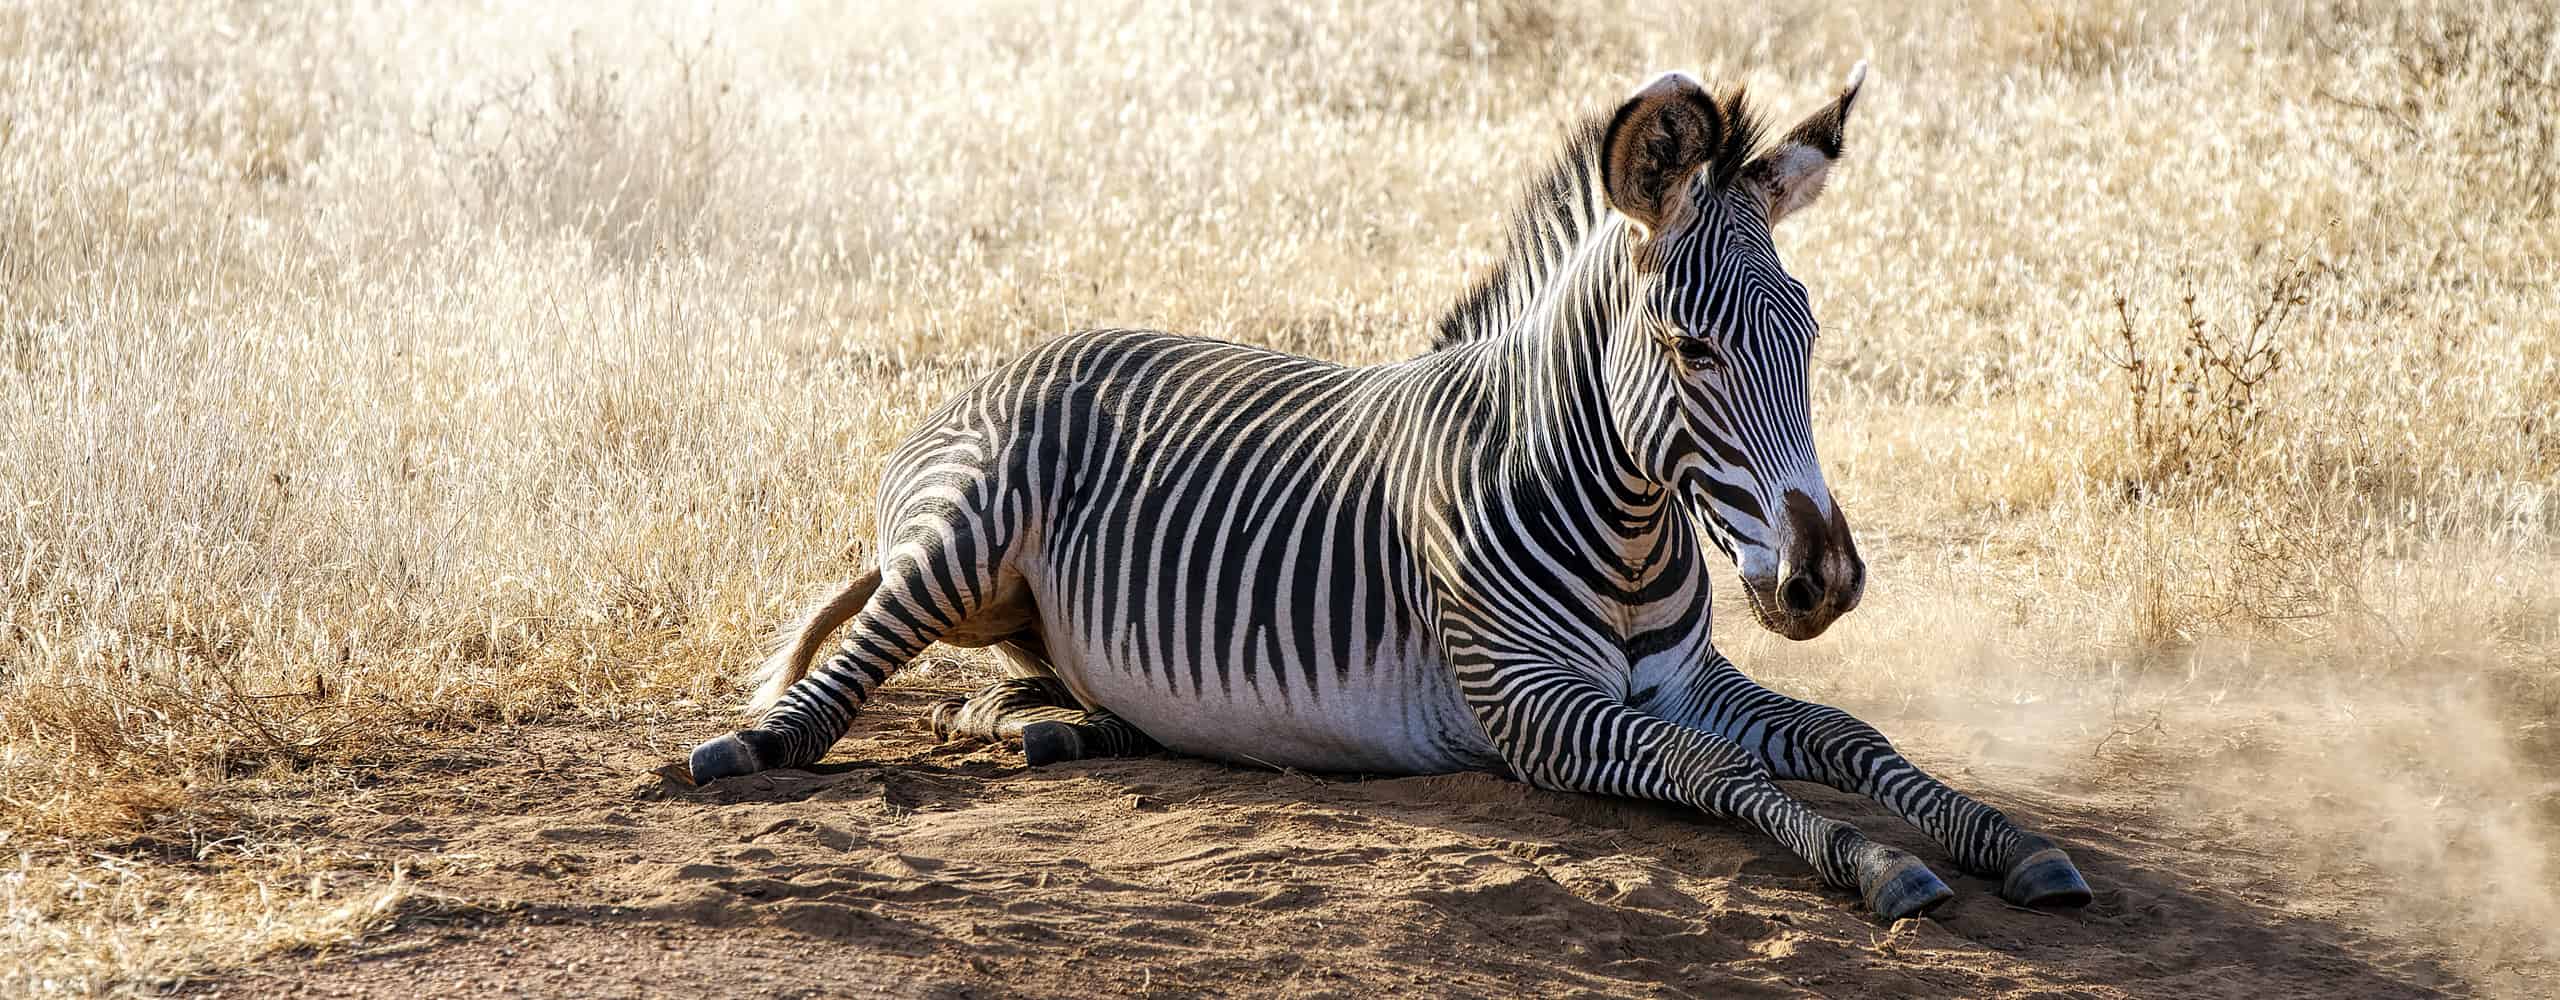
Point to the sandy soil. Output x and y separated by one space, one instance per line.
561 865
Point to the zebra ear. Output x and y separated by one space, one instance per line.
1790 176
1654 144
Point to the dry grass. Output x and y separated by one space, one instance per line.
371 375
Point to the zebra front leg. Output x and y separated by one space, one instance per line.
1558 731
1802 741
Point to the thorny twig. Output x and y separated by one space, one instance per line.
2152 726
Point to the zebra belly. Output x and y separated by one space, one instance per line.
1399 712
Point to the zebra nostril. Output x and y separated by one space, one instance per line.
1799 595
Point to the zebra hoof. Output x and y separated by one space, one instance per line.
1905 888
1046 743
944 719
2046 878
723 756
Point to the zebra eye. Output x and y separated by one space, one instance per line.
1697 354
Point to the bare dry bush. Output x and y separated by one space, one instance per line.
2195 417
2201 430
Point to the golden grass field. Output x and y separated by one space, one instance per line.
376 381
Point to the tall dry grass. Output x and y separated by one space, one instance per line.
369 373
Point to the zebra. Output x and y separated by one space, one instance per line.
1490 557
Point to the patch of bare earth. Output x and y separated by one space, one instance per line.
563 865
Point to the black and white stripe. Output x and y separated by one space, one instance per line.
1489 557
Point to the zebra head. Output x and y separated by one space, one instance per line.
1709 366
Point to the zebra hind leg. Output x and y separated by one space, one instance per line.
999 710
1040 712
945 578
1100 736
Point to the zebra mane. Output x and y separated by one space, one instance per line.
1561 207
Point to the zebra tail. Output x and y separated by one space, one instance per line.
800 643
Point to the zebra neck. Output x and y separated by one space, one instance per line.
1554 369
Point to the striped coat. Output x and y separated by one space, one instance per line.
1491 557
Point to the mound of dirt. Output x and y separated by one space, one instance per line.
566 866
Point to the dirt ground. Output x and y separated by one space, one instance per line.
558 863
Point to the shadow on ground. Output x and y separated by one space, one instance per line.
563 866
